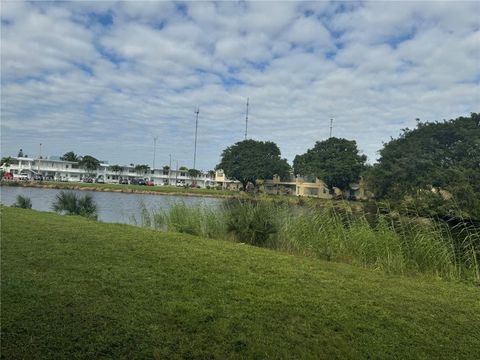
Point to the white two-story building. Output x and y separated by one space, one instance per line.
60 170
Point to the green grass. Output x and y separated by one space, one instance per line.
73 288
391 243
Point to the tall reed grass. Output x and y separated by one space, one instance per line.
391 243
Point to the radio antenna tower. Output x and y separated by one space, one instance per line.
331 127
246 122
196 130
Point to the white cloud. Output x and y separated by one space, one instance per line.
75 83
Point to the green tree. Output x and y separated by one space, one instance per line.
116 168
439 156
69 156
166 168
20 153
251 160
89 163
194 173
6 161
142 169
183 168
335 161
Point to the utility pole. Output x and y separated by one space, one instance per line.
331 127
39 157
154 150
246 121
176 173
169 168
196 130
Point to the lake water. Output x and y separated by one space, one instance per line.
111 207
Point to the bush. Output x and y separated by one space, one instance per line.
251 222
23 202
70 204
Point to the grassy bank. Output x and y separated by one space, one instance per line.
335 232
74 288
152 190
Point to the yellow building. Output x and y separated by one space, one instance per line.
316 188
225 183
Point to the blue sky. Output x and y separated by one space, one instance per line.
104 78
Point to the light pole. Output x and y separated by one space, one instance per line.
176 173
169 169
39 157
154 150
196 130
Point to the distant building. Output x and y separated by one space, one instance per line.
60 170
226 184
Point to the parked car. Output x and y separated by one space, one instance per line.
100 181
123 181
87 180
149 183
38 177
20 177
8 176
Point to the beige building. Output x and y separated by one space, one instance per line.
225 183
313 188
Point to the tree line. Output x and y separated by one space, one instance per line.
433 169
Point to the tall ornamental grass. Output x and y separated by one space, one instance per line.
23 202
69 203
391 243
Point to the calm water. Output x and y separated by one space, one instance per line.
112 207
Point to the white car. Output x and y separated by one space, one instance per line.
20 177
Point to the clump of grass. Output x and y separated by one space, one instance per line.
23 202
197 219
253 222
69 203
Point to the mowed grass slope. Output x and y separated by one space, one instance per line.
79 289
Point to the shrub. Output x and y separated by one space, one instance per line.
23 202
252 222
70 204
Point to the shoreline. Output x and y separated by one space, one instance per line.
116 189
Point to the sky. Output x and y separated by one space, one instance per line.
105 78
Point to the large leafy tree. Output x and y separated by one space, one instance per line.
433 156
6 161
335 161
194 173
116 168
251 160
89 163
142 169
70 156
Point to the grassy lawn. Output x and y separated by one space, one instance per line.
79 289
